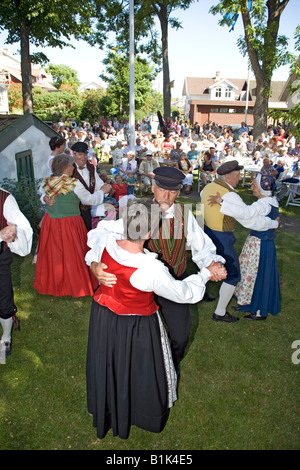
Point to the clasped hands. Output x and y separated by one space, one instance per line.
9 233
217 273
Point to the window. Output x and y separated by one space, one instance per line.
218 92
227 92
223 110
24 165
214 110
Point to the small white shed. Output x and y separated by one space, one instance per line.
24 146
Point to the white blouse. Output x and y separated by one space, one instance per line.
22 244
203 250
153 276
251 216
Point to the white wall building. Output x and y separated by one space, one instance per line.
24 146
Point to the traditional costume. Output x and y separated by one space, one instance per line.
60 266
131 378
10 213
258 291
90 179
179 231
220 228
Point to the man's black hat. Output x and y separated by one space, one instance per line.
80 147
168 177
228 167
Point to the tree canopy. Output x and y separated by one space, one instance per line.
63 75
114 18
292 117
266 48
43 23
117 77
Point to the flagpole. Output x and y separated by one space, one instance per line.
248 78
247 97
131 78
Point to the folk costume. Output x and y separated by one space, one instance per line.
60 266
131 378
90 179
178 232
258 291
10 213
220 228
85 210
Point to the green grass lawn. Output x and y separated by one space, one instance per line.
239 388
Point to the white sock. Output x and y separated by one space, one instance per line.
225 294
258 313
7 327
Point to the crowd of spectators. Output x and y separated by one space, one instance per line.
276 151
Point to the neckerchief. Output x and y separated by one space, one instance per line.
55 185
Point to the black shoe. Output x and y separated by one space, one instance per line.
208 297
227 318
237 308
252 316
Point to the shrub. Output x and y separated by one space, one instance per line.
26 194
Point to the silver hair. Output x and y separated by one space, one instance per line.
60 163
137 219
221 177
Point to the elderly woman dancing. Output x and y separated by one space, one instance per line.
258 291
60 267
131 378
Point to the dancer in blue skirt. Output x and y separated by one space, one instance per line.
258 291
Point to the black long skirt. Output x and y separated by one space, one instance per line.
128 376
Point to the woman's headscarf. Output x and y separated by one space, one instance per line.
266 185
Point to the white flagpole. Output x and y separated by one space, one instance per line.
131 77
247 97
248 78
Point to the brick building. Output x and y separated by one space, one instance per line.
10 72
224 100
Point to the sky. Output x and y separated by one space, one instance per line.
199 49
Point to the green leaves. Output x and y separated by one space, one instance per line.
117 77
63 75
267 50
52 23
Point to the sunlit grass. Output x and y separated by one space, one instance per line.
239 388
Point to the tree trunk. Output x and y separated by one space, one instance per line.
260 110
263 69
26 68
163 18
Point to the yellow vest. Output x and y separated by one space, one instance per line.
213 218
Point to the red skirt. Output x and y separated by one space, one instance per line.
60 266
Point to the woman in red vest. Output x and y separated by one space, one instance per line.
131 378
